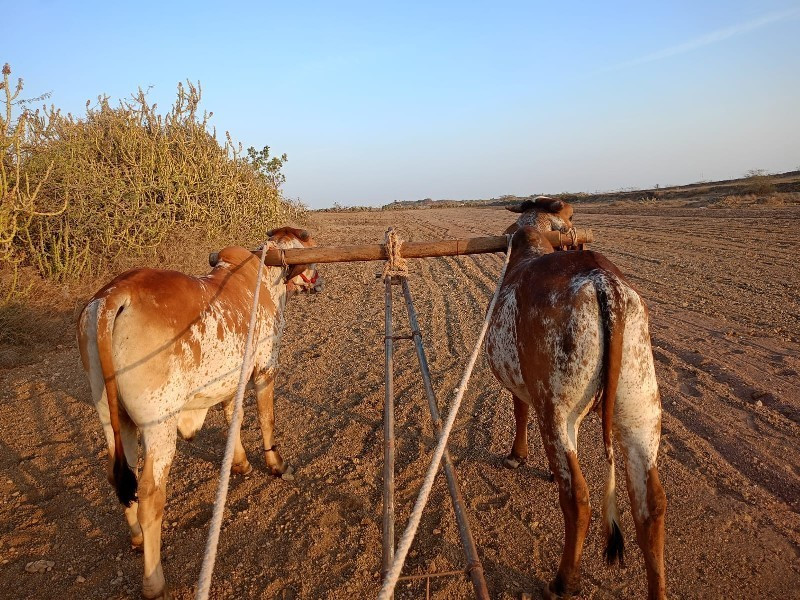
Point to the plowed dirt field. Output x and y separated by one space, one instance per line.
722 286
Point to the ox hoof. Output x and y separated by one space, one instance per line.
164 595
548 593
512 461
137 545
288 474
242 468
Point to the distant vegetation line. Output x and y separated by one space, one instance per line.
756 183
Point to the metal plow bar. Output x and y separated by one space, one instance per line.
364 252
474 568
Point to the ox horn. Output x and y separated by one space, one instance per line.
304 235
270 232
213 259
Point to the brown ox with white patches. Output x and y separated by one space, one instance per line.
160 348
569 335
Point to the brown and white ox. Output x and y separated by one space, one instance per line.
160 348
569 335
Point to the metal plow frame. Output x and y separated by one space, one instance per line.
473 568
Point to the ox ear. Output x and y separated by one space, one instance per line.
551 205
294 271
524 207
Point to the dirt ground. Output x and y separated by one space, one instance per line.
722 286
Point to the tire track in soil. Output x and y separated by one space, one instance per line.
439 320
478 294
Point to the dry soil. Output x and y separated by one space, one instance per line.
722 286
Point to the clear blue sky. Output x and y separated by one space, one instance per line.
378 101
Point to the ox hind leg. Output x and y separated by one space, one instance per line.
519 449
648 501
240 463
130 445
158 442
264 384
573 495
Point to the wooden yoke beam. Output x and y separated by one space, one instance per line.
365 252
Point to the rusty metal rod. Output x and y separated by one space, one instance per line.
388 439
474 566
430 575
479 245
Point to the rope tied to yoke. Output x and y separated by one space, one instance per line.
422 499
395 265
284 264
573 234
210 554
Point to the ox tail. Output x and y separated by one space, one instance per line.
124 478
611 301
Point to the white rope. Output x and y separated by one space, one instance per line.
416 514
207 569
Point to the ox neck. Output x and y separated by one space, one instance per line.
275 280
522 258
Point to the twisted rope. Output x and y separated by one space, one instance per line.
573 234
416 514
395 263
210 556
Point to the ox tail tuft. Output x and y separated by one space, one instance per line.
615 545
124 479
611 302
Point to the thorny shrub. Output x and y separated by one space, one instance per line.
759 182
77 192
